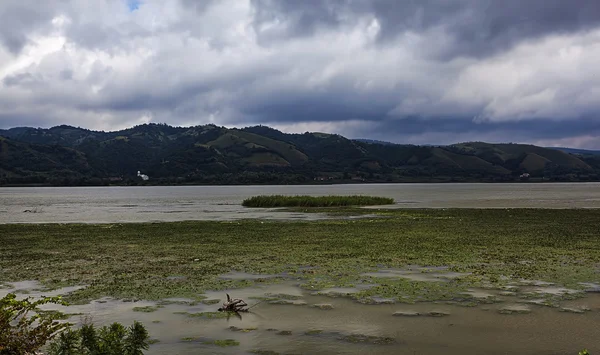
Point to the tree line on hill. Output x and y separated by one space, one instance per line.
208 154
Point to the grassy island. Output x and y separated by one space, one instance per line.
315 201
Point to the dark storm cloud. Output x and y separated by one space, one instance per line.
475 27
533 128
450 131
414 71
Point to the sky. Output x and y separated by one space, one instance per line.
404 71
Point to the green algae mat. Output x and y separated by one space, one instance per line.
184 259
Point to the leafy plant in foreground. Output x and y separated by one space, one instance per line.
114 339
25 330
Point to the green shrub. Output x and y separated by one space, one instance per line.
312 201
108 340
24 329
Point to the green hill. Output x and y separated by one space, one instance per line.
217 155
33 163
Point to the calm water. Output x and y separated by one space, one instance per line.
465 330
176 203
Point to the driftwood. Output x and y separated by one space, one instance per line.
234 305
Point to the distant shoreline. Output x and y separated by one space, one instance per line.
147 184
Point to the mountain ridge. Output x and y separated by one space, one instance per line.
209 154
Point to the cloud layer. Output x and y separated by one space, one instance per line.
411 71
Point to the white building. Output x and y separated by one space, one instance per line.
143 176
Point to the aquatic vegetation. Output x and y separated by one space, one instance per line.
313 332
406 314
323 306
146 309
514 309
130 261
437 314
190 339
288 302
209 315
266 352
213 301
282 296
222 343
315 201
233 328
361 338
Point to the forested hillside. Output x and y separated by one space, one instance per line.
66 155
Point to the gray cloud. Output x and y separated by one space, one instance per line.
415 71
474 27
19 19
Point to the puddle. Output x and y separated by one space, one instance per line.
479 293
556 291
343 291
591 287
34 289
535 283
338 291
417 274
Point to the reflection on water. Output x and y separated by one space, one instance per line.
509 327
177 203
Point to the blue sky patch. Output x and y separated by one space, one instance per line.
133 4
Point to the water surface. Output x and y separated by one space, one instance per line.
178 203
353 328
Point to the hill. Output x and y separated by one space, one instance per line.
577 151
209 154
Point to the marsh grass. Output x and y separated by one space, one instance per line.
315 201
132 260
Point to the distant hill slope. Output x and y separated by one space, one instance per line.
577 151
373 141
34 163
218 155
